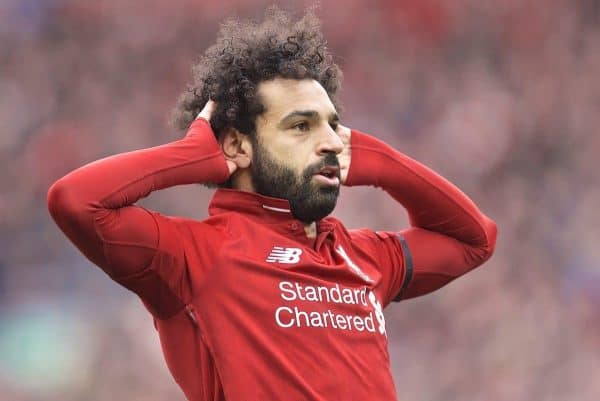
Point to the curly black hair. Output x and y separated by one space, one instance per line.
247 53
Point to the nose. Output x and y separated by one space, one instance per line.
330 142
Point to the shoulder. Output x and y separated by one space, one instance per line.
363 241
189 230
355 235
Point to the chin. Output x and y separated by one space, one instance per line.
318 207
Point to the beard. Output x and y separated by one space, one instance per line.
308 201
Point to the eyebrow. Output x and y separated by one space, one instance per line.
308 114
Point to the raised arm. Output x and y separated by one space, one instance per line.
449 234
139 248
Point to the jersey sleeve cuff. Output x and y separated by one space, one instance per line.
367 160
201 131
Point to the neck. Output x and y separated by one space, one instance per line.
243 181
311 230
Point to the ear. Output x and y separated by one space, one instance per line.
237 148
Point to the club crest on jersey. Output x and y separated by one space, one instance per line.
284 255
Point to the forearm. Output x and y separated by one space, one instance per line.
93 204
123 179
432 202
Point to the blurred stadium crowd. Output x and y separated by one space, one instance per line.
502 98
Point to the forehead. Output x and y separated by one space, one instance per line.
281 96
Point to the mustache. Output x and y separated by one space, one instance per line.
330 160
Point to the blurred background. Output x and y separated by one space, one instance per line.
502 98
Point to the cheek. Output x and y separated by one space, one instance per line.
296 152
298 161
293 155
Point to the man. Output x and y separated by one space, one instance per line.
268 298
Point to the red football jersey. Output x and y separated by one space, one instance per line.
246 305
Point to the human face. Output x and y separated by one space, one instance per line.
295 151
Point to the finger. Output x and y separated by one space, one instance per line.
208 110
232 166
344 133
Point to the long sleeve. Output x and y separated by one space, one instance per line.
139 248
448 236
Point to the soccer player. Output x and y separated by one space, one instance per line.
269 298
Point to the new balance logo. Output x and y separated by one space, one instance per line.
284 255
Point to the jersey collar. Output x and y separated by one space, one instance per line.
233 200
251 204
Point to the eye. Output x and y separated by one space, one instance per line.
302 126
334 126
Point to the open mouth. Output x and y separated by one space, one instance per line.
329 175
330 172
